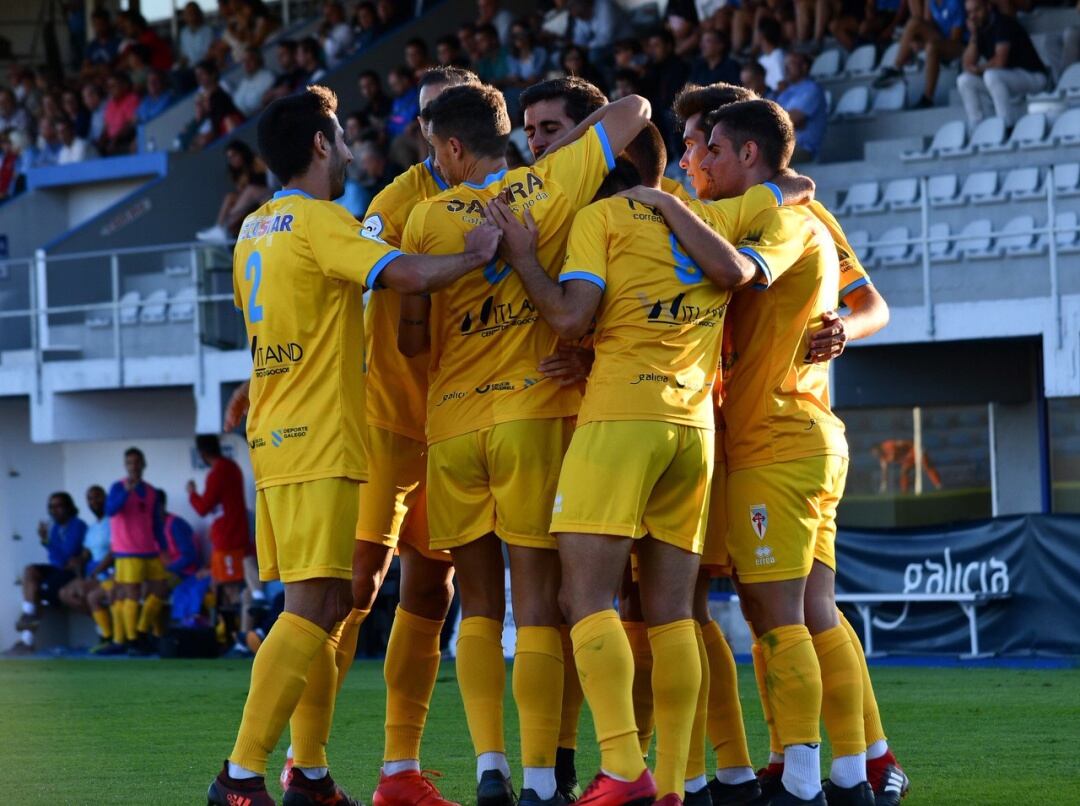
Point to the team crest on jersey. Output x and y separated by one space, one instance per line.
373 229
759 520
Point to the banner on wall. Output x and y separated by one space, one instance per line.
1033 558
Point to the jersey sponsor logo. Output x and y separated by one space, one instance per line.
645 212
450 397
258 226
499 386
759 520
649 377
275 359
678 312
495 317
373 228
763 555
279 435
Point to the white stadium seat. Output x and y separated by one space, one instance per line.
1017 237
1066 237
1066 130
888 58
940 248
980 186
859 241
1067 179
153 308
977 239
862 60
1068 85
891 98
987 136
948 139
901 194
894 254
861 197
182 305
129 308
827 64
1021 183
942 189
1029 132
855 101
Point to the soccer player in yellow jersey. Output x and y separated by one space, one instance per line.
297 264
646 421
496 429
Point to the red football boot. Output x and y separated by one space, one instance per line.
303 791
888 779
606 791
283 779
672 800
409 788
228 791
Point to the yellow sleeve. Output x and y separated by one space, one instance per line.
731 218
412 239
237 299
580 168
390 209
587 248
852 273
775 241
344 250
675 188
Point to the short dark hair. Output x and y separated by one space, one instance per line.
623 176
133 451
288 44
447 75
770 30
208 444
630 44
761 121
754 67
312 46
663 34
449 40
580 98
67 501
94 487
648 154
694 99
489 30
209 66
370 74
404 71
474 114
626 74
287 126
417 42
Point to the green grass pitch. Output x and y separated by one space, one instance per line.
155 732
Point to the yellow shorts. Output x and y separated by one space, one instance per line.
715 557
305 530
782 517
136 570
393 505
499 479
636 477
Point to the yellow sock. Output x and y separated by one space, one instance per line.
278 678
131 619
606 667
841 691
538 693
148 616
119 629
872 727
793 682
676 680
309 726
638 636
763 694
345 636
481 673
410 669
727 733
103 620
695 760
572 695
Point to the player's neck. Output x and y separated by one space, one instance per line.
483 167
315 186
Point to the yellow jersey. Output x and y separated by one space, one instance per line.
852 273
675 188
486 337
397 385
660 320
297 266
776 405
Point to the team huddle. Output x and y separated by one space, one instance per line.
623 386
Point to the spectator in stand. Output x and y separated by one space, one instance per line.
390 14
9 163
250 190
575 63
196 37
374 102
136 31
250 23
93 102
136 61
528 60
629 55
120 109
625 82
366 25
942 31
466 37
12 116
46 149
309 59
42 582
595 25
28 93
157 99
406 102
417 58
290 76
378 170
73 109
448 52
215 113
1000 65
493 64
806 105
770 36
72 147
488 12
336 33
103 49
665 75
681 18
253 85
714 64
50 106
752 76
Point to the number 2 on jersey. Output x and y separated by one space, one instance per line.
254 267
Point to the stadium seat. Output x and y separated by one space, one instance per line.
1066 236
987 136
1068 86
854 102
827 64
1020 183
976 239
862 61
942 189
859 241
98 319
182 305
1066 129
888 58
941 248
1029 132
862 197
890 99
129 308
980 187
947 140
1017 237
1067 179
901 194
153 307
894 254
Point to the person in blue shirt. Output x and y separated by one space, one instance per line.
63 540
941 30
157 99
806 104
406 104
102 50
